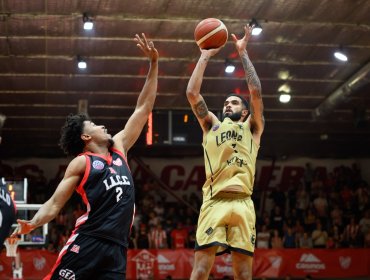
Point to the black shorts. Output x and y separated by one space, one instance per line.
86 257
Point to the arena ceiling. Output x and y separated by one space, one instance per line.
40 84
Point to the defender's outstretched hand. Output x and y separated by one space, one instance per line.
241 44
147 47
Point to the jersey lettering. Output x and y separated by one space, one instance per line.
227 135
116 180
5 197
237 161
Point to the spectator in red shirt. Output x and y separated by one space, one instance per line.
179 237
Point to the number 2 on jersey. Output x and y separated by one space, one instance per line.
119 192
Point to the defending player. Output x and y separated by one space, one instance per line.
97 248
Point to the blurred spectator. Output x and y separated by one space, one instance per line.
336 235
329 182
352 233
303 200
317 185
289 239
321 206
305 241
179 237
263 237
168 226
348 212
142 237
159 209
336 216
319 236
310 220
276 241
189 225
292 195
298 229
362 197
346 194
277 219
153 220
365 223
157 237
330 243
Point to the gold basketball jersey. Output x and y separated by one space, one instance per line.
230 157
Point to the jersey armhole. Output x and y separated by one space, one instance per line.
86 174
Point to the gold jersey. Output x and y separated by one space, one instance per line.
230 158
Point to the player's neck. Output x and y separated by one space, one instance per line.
97 149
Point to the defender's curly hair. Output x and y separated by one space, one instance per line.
70 140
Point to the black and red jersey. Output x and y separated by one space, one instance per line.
7 212
107 189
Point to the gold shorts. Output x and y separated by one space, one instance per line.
228 222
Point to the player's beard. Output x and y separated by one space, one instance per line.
233 116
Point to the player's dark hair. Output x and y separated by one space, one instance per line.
244 101
70 139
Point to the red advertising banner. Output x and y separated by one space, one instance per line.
271 263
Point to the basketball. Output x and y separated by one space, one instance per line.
210 33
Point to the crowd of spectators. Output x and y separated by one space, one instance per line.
319 211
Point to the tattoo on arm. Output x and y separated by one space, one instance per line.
200 109
251 75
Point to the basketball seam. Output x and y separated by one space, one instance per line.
214 31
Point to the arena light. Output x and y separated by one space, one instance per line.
341 55
229 66
81 63
88 23
284 97
257 28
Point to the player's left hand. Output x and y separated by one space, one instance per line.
241 44
147 47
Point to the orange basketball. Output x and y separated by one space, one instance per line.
210 33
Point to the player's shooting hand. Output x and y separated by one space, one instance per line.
23 227
241 44
147 47
210 52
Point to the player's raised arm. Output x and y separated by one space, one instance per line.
198 105
126 138
256 118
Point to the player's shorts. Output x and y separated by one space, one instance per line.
86 257
228 222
